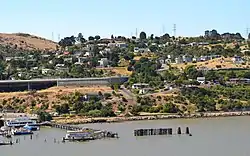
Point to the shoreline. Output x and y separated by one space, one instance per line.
77 121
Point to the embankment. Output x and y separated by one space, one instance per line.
79 120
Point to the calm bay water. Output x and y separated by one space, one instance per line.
211 137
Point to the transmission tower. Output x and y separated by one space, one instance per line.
163 29
174 30
52 36
136 33
59 38
247 32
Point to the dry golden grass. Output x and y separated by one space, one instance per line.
118 70
28 42
51 94
223 62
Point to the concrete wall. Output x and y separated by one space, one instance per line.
23 85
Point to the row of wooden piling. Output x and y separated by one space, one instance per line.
159 131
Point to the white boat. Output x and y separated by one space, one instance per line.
4 128
20 122
78 135
21 131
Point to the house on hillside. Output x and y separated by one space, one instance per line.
201 80
186 58
46 71
121 45
237 60
140 85
103 62
239 81
178 60
141 50
68 59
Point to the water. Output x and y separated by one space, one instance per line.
217 136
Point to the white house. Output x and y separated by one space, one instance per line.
46 71
201 80
178 60
103 62
140 85
122 45
141 50
237 60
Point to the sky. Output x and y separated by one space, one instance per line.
122 17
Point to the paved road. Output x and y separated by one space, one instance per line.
127 93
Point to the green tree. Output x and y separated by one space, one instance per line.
91 38
79 37
97 37
170 108
143 35
44 116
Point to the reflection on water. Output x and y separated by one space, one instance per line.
220 136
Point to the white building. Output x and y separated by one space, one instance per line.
103 62
140 85
178 60
201 80
237 60
141 50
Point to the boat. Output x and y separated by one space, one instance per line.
4 128
31 128
21 131
80 135
20 122
5 143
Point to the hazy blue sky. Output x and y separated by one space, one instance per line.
122 17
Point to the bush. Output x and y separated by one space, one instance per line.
95 113
107 95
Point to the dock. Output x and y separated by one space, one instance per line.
95 133
160 131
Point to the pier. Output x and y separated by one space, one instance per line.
95 134
160 131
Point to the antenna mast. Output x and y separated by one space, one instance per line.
163 29
247 31
136 33
59 38
174 30
52 36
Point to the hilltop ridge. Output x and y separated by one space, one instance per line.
26 41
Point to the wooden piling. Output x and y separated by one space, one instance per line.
179 130
187 130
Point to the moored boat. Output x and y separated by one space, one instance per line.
5 143
20 122
31 128
80 135
21 131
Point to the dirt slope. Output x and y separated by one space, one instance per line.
26 41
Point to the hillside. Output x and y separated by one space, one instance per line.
224 63
26 41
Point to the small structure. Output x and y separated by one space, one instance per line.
103 62
239 81
140 85
178 60
201 80
186 58
237 60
